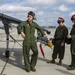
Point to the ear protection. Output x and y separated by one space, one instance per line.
60 19
73 17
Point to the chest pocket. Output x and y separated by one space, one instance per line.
26 28
60 32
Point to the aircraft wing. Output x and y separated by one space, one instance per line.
9 19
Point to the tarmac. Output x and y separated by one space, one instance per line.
15 64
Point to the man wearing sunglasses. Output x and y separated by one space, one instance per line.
72 36
59 46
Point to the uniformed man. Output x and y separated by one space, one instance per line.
59 46
72 36
27 30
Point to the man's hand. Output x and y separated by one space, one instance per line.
44 36
23 35
69 36
62 44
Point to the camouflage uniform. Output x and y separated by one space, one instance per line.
72 33
60 34
29 42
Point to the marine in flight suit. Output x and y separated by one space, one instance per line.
59 46
28 28
72 36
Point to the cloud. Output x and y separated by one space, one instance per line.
15 8
48 19
70 1
62 8
40 13
38 3
71 13
43 9
1 1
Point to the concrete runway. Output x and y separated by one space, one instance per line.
15 65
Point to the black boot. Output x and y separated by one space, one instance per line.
60 62
70 65
33 69
71 68
51 61
27 69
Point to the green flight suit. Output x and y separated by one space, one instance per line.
72 33
29 42
60 34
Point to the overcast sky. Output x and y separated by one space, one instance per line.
47 11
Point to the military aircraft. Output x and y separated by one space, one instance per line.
7 20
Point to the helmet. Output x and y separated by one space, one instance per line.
73 16
32 14
50 44
60 19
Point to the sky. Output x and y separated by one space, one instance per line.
47 11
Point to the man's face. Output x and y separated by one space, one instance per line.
61 23
30 18
73 20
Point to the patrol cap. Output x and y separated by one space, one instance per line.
32 14
60 19
73 17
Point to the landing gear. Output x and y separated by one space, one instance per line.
7 53
6 26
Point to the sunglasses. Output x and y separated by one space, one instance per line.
73 18
60 22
